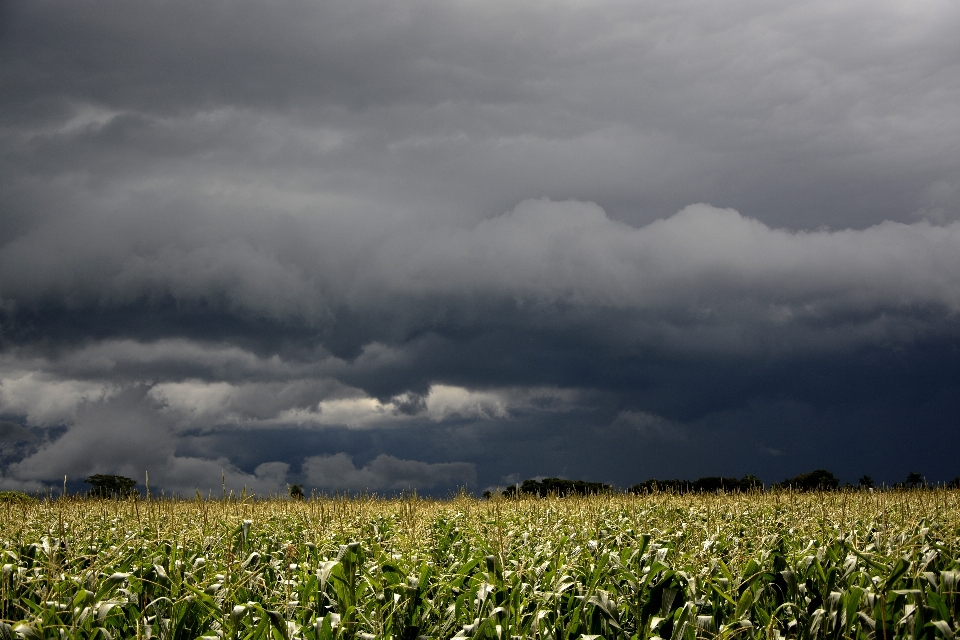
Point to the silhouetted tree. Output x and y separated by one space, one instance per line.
106 486
710 484
866 482
821 480
296 492
914 480
557 487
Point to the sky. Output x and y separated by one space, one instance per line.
367 246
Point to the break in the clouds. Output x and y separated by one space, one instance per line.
434 245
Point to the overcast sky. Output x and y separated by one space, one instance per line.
427 244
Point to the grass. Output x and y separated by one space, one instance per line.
765 565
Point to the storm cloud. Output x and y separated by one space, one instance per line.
433 245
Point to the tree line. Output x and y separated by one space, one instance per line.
114 486
817 480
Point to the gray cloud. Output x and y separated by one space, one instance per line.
703 268
424 230
12 432
648 426
384 473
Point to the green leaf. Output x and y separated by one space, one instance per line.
934 600
746 601
943 627
28 632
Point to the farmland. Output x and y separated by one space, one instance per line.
680 567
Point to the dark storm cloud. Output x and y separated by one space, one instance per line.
11 432
385 473
800 115
434 244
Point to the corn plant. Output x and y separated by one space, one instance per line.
763 566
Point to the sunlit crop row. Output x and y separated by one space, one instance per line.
818 565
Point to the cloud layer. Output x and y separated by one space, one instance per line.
700 262
430 244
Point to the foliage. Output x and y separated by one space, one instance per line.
296 492
819 480
105 486
760 566
914 479
15 497
712 484
557 487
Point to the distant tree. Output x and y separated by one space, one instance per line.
866 482
487 495
819 480
652 485
914 480
106 486
709 484
954 484
557 487
714 484
296 492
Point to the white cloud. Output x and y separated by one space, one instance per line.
195 398
442 402
701 259
209 385
124 434
45 400
384 473
349 412
445 401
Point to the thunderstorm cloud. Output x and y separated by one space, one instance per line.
435 245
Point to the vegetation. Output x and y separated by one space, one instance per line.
713 484
762 565
104 486
557 487
819 480
15 497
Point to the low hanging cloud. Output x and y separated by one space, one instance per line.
141 428
441 403
45 400
702 258
125 435
384 473
704 267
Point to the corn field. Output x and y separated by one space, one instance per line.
766 565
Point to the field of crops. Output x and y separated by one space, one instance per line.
767 565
